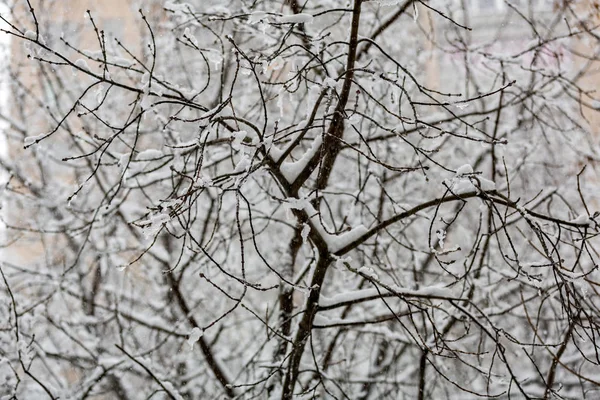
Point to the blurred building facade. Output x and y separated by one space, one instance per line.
515 30
71 27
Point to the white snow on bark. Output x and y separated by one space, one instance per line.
359 295
301 18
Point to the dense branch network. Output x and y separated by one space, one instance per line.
301 201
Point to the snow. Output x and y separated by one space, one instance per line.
172 391
333 84
485 184
368 271
145 80
372 293
145 103
154 224
334 242
534 264
150 154
25 353
305 232
82 64
464 181
30 35
322 321
338 242
121 62
195 335
301 18
238 138
97 54
243 164
257 16
570 276
210 113
464 170
214 57
462 186
583 220
291 170
123 159
441 235
274 152
203 181
29 140
298 204
188 34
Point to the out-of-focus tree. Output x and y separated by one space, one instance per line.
302 199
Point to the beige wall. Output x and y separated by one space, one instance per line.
54 17
591 79
485 27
